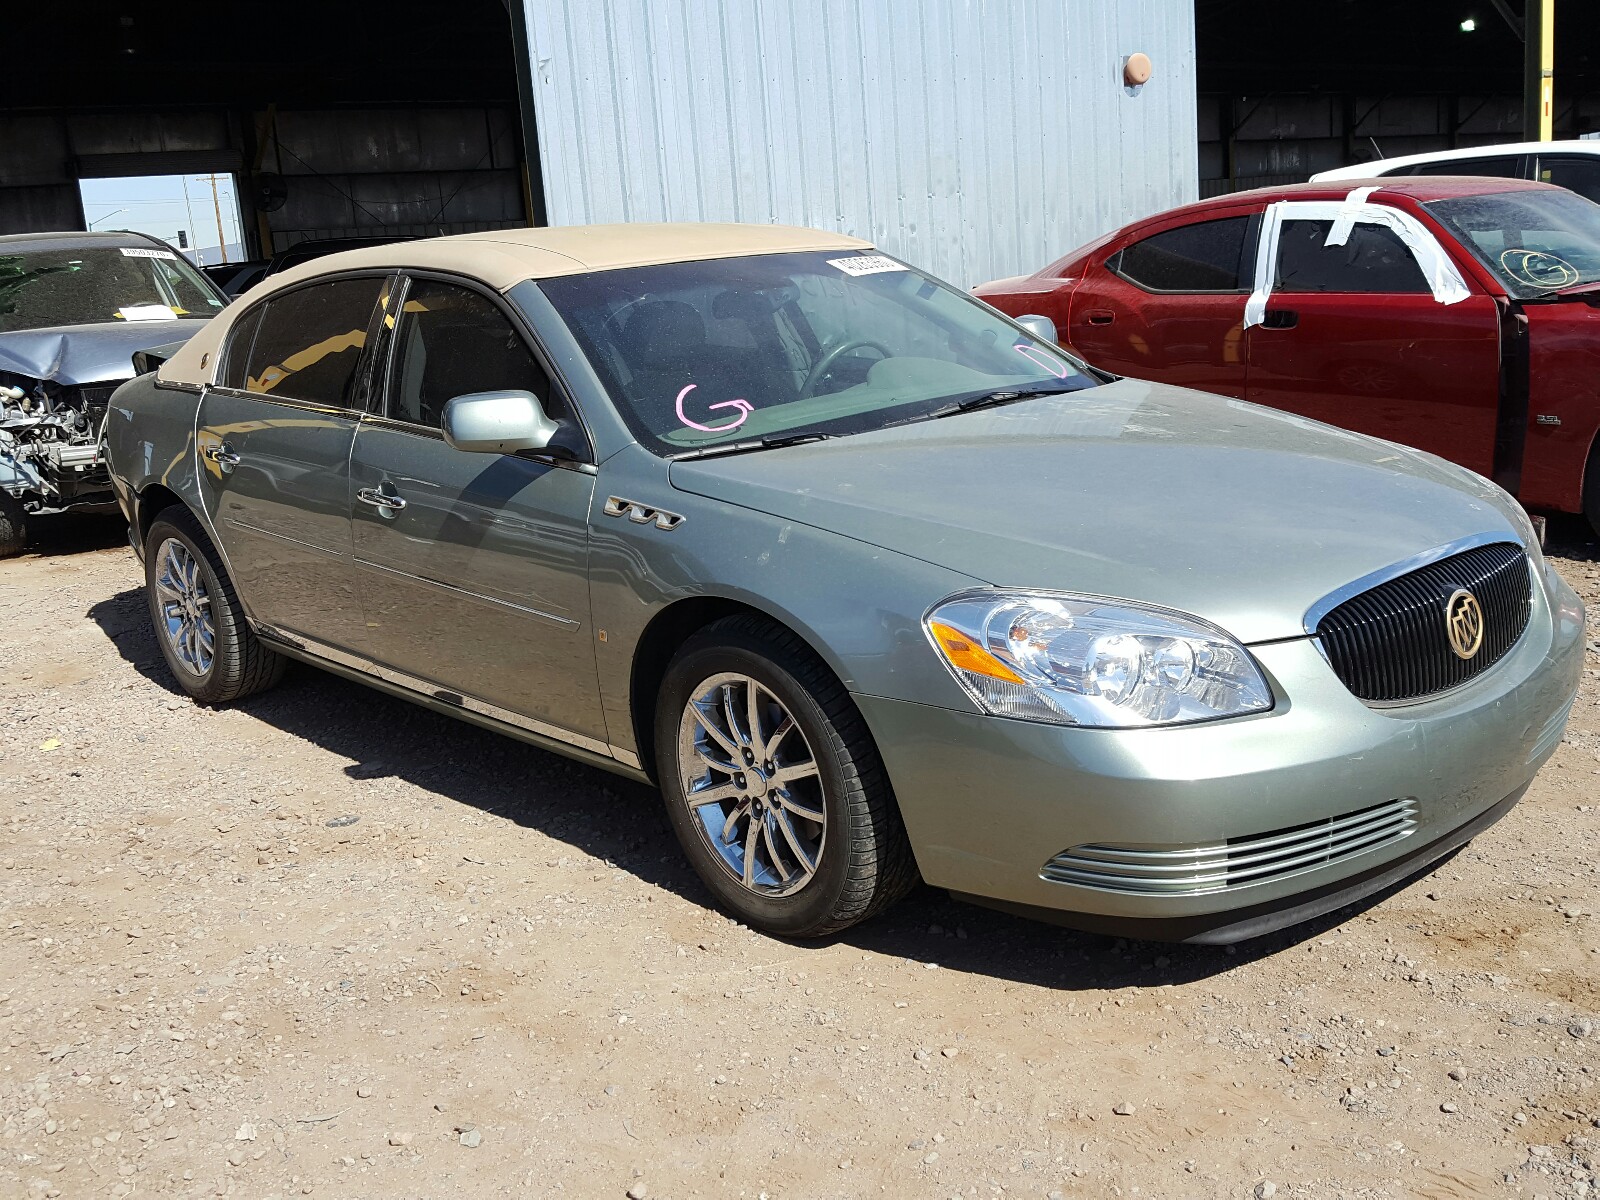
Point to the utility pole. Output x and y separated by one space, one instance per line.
199 259
1538 70
216 203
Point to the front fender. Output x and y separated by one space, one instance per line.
858 606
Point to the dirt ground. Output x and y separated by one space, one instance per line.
327 943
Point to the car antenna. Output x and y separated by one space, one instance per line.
1375 147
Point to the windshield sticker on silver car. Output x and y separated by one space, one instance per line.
147 312
744 406
866 264
1036 354
142 252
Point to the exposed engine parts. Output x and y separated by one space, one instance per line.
50 443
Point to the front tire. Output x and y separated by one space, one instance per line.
200 626
13 525
773 784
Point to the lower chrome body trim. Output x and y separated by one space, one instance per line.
427 690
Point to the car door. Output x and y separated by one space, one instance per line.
1353 333
274 436
473 567
1169 306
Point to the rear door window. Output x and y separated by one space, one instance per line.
1204 257
1372 259
1577 172
310 342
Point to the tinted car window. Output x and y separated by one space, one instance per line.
453 342
237 356
1507 167
310 340
1203 257
1578 172
1372 259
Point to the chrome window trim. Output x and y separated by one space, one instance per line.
327 410
432 691
568 622
1416 562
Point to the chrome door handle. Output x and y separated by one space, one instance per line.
224 456
386 504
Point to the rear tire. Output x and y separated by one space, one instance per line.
199 623
13 525
750 695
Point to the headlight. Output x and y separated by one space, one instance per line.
1076 660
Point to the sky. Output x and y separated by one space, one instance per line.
154 204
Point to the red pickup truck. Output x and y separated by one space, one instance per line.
1457 315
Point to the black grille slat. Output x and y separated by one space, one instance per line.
1390 643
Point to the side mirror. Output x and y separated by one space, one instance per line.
1042 328
497 423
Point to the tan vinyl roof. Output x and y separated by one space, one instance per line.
503 258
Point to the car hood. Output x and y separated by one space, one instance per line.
1238 514
73 354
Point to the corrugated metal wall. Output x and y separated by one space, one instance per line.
978 138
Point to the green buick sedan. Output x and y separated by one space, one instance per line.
873 582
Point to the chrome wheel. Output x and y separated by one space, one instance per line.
752 784
185 607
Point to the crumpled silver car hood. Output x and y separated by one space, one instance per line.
74 354
1238 514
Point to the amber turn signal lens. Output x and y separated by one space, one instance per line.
966 654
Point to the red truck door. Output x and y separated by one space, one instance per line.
1169 306
1353 334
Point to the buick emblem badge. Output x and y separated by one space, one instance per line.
1463 623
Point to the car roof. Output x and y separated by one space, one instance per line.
68 239
503 258
1364 170
1418 187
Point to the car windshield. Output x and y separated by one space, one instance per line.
775 346
1537 241
85 285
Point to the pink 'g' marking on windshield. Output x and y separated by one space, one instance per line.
1036 355
744 406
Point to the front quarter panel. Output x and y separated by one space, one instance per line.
859 606
150 443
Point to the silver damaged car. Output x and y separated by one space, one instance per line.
874 583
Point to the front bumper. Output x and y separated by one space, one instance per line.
988 801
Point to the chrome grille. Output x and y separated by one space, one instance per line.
1237 862
1391 644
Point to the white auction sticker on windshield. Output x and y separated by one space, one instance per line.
141 252
147 312
866 264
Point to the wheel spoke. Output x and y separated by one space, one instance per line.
715 764
740 810
750 838
713 795
772 850
790 835
166 591
715 734
727 713
793 772
752 704
780 732
800 810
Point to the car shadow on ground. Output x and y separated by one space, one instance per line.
74 533
623 823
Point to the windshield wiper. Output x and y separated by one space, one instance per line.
770 442
1001 397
